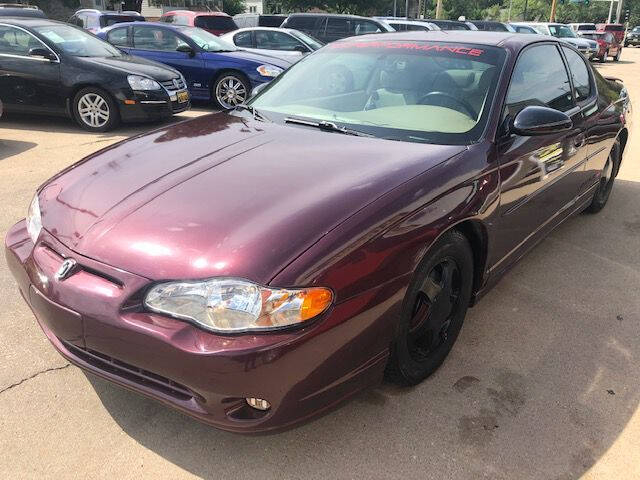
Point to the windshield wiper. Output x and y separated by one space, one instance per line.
327 126
256 114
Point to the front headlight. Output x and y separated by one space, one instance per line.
34 220
136 82
269 70
228 305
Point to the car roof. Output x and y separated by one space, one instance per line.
337 15
21 12
513 40
191 13
28 22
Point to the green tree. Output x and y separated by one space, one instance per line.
233 7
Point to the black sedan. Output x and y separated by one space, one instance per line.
52 68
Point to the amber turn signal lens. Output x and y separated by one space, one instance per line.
315 301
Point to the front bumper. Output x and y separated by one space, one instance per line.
632 41
95 320
151 105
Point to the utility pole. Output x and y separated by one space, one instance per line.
552 15
619 11
524 15
406 10
395 8
439 9
610 11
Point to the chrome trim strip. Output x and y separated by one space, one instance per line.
154 102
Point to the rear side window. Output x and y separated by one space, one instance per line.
270 21
150 38
579 73
362 27
243 39
216 23
181 20
306 24
539 78
337 27
118 37
168 19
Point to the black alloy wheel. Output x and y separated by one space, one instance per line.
434 309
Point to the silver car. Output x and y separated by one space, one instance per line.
588 48
277 42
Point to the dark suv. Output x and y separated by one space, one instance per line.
95 20
329 28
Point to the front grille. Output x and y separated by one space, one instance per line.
131 373
170 85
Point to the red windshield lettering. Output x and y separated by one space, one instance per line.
474 52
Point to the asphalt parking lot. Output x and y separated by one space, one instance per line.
543 382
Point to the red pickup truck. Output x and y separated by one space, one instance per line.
617 29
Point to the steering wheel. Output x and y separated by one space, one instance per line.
468 109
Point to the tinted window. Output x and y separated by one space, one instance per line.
337 27
243 39
521 29
118 37
270 21
151 38
76 20
579 73
167 19
17 42
539 78
216 23
588 26
270 40
302 23
614 28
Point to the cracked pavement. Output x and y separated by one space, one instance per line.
525 393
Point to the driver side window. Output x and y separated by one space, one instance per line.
156 39
539 78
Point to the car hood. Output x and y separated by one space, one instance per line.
258 58
577 42
134 65
222 195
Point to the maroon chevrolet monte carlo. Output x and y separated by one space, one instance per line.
253 268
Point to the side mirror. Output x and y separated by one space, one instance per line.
186 49
301 49
534 120
43 53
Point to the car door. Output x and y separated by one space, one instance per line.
540 175
27 82
276 43
159 43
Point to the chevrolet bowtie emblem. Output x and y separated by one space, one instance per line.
66 269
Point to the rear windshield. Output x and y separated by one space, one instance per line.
210 22
429 92
108 20
614 28
270 21
587 26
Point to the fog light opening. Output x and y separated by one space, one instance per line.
258 403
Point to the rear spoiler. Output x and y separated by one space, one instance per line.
614 79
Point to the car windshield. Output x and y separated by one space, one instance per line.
308 39
207 41
636 29
411 91
562 31
76 42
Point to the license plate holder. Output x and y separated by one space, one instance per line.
183 97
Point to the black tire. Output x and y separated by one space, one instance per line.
617 57
236 83
432 313
607 179
82 117
604 56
